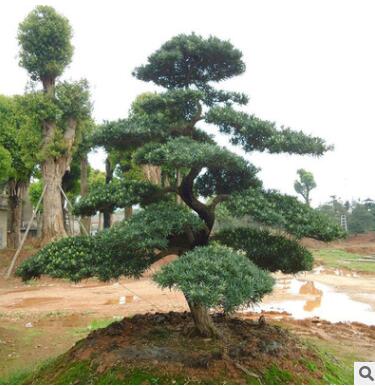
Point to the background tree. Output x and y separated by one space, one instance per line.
360 215
305 184
335 208
18 164
361 218
45 50
164 133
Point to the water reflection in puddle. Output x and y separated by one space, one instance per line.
309 299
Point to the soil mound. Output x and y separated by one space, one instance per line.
162 348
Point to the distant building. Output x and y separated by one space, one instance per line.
27 211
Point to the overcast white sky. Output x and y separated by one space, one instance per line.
310 66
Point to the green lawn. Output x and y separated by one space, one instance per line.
338 258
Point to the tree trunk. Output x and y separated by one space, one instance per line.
53 217
100 221
128 212
307 198
106 219
85 220
53 170
178 183
16 192
108 179
202 320
152 174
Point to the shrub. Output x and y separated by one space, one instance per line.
267 250
216 276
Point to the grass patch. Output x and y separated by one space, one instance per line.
82 373
101 323
337 364
16 378
24 376
276 376
95 325
337 372
338 258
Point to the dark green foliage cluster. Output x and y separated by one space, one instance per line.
44 37
216 276
125 249
268 251
117 194
254 134
286 212
173 153
126 134
187 60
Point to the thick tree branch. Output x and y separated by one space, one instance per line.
185 190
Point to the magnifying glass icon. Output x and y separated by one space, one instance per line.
365 372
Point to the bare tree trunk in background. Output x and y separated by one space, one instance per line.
152 174
85 220
16 194
307 198
53 170
128 212
178 181
53 216
100 221
108 179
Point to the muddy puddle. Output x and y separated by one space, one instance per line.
304 299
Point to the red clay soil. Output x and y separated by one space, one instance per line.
362 244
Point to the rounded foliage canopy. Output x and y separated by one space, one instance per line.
216 276
187 60
268 251
44 37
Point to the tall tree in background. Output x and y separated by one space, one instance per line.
14 123
305 184
45 51
210 271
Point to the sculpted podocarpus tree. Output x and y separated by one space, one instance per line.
225 270
44 38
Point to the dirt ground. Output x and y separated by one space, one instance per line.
43 318
362 244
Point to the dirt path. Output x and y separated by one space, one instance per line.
120 298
